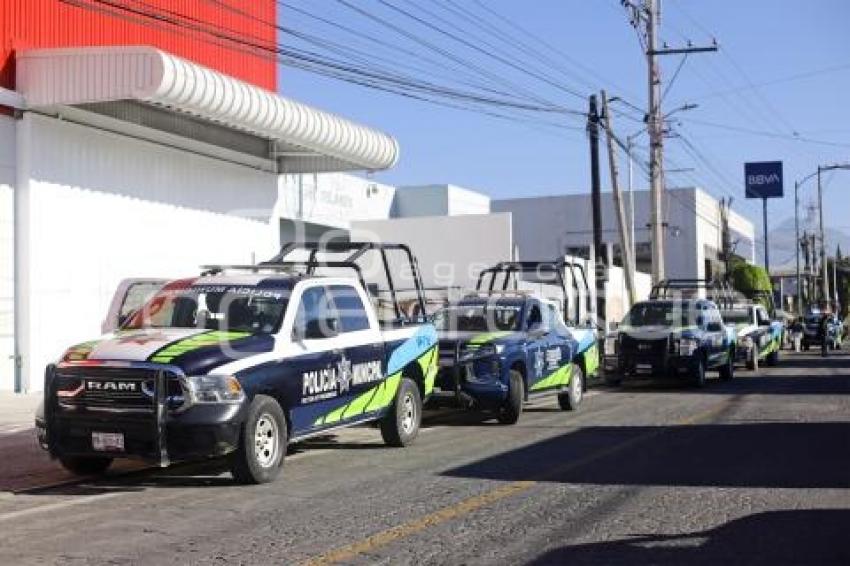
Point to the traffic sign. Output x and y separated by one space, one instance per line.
763 179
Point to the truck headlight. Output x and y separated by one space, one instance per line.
611 346
214 389
687 346
483 351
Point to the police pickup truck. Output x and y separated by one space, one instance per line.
239 362
758 337
812 333
499 347
680 338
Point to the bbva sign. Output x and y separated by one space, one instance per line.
763 179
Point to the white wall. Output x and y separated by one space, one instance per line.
545 226
438 200
464 201
451 250
333 199
106 207
7 181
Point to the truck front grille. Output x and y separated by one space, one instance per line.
117 389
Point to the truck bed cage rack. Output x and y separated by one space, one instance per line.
557 267
355 251
253 268
718 291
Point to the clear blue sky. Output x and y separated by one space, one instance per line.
783 69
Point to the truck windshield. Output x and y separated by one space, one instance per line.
658 314
215 307
478 318
736 316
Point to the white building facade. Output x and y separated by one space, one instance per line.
130 162
551 225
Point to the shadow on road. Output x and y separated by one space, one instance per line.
775 537
770 455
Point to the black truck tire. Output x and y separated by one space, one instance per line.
727 370
698 373
773 358
511 409
86 465
262 443
400 425
753 360
570 400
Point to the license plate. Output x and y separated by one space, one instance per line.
643 367
107 441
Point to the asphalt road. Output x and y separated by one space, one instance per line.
753 471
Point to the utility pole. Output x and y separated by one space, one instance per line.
835 277
725 236
625 238
822 241
596 204
648 13
656 144
797 247
629 142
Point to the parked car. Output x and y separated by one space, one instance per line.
239 362
758 337
500 347
675 338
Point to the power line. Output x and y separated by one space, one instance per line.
307 60
484 52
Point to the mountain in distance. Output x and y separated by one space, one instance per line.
781 240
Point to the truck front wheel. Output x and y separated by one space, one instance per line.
401 424
727 370
511 408
698 373
86 465
262 444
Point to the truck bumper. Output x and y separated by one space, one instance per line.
670 366
485 392
199 432
743 355
149 429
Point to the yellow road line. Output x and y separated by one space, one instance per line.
447 513
466 506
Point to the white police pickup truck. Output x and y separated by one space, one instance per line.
758 337
239 362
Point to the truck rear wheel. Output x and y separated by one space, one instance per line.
572 397
511 409
86 465
400 425
262 443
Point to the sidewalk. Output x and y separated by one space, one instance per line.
22 462
17 411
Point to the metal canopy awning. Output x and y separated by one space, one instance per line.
302 139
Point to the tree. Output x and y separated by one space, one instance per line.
751 280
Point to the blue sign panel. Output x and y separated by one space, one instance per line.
763 179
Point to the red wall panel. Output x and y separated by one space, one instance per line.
28 24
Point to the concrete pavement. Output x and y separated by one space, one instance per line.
751 471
